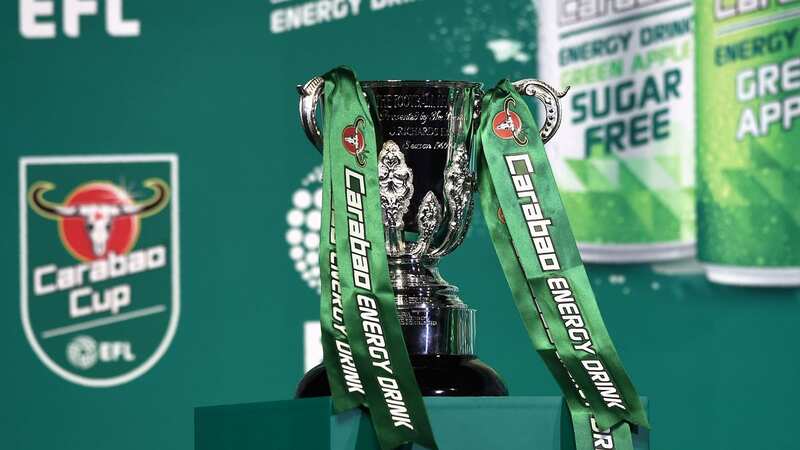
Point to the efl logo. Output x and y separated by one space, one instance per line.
99 263
37 18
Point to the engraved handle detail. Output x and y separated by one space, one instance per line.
310 95
550 97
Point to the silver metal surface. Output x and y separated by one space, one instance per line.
459 183
434 319
550 97
311 94
426 214
429 218
396 186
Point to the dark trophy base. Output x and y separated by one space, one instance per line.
437 376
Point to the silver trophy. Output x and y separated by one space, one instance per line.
425 132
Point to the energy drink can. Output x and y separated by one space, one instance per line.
624 158
748 105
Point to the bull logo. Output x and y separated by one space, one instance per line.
99 217
353 140
508 125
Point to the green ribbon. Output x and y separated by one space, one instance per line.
347 390
537 251
354 256
364 353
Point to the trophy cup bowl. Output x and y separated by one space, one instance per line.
426 171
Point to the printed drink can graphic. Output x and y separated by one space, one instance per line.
624 156
748 107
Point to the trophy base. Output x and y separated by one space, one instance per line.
437 376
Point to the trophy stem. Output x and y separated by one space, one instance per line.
434 319
439 332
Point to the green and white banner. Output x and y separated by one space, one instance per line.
536 248
361 293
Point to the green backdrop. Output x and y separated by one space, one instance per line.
207 81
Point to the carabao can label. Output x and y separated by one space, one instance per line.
749 133
624 156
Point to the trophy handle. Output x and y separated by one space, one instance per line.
549 96
310 94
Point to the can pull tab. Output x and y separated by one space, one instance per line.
550 98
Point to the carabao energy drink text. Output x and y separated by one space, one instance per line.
624 158
748 100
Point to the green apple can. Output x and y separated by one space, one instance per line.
624 159
748 108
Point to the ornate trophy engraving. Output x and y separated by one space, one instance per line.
426 163
397 186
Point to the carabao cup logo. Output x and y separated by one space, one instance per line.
100 265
